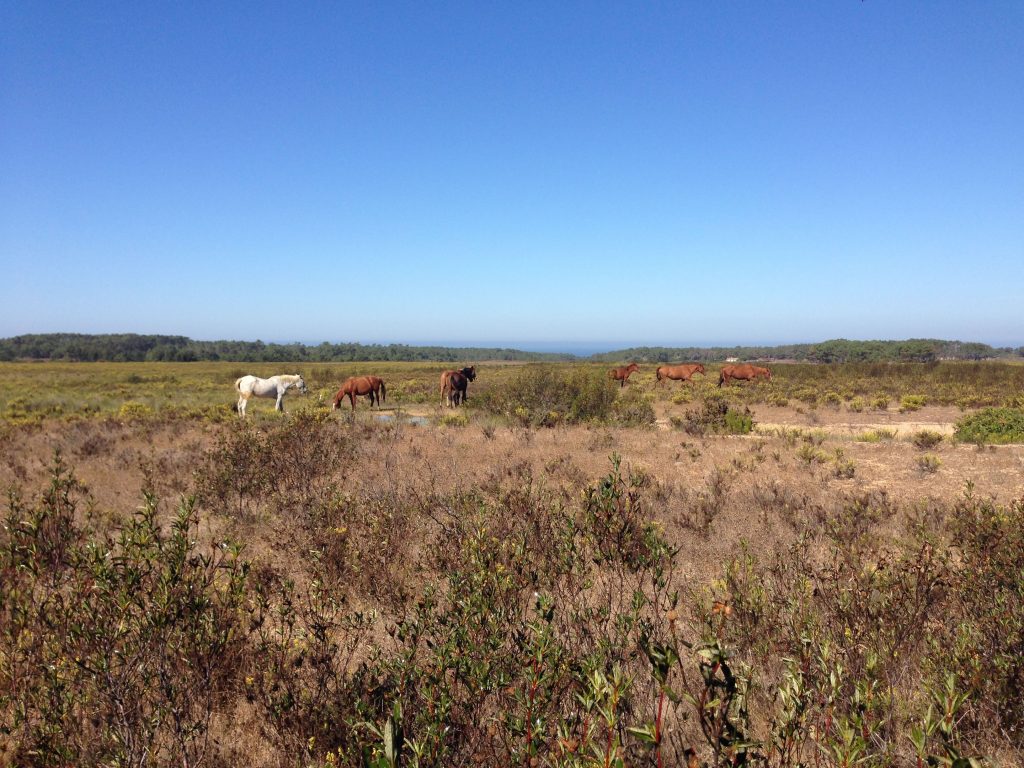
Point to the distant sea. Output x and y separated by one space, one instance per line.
578 348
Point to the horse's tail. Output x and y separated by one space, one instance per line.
657 374
383 393
238 384
721 378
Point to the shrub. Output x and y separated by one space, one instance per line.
809 454
880 403
633 409
843 467
21 410
832 399
123 649
856 404
910 403
453 419
133 411
287 465
926 439
987 597
739 423
992 425
537 391
876 435
717 416
929 463
682 396
807 395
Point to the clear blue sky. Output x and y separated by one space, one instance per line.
527 173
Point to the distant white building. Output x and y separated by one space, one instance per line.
732 359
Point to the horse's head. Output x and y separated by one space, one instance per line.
470 373
766 372
632 367
300 385
699 368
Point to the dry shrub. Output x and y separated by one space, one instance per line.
252 470
544 628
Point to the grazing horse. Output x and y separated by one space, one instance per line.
454 385
373 386
275 386
743 372
679 372
621 374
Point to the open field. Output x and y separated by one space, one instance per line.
504 594
63 390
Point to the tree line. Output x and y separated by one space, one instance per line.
131 347
832 351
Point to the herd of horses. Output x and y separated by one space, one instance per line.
455 383
685 371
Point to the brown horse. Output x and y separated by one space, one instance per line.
742 372
373 386
621 374
679 372
454 385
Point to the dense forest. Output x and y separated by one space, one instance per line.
130 347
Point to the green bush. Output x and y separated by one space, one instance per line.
832 399
453 419
633 409
117 651
717 416
911 403
133 411
876 436
807 395
537 391
992 425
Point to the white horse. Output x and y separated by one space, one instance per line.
275 386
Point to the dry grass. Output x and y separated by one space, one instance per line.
370 505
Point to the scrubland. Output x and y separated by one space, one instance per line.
825 569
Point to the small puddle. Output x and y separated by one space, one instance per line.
388 418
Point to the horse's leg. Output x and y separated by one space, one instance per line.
279 406
242 400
